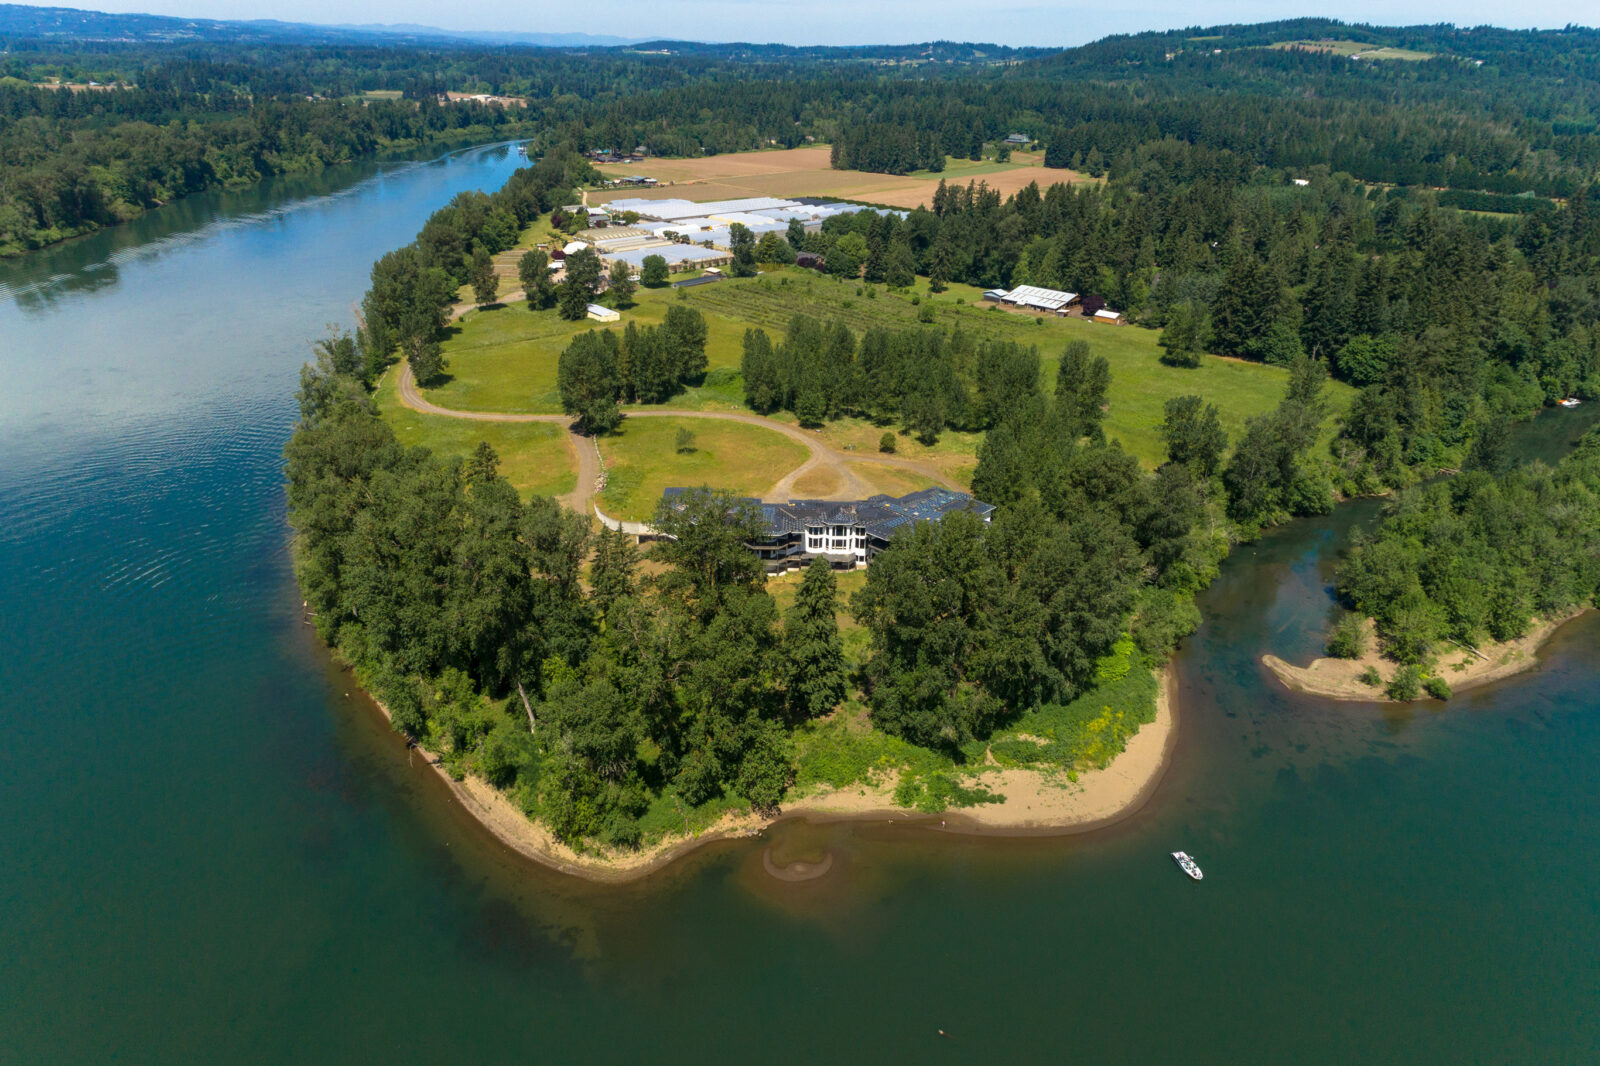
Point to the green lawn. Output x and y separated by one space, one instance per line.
534 456
642 459
957 171
504 359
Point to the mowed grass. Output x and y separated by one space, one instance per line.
504 359
1140 383
641 459
534 456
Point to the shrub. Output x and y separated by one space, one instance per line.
1370 676
925 314
1405 686
886 443
1348 640
1437 687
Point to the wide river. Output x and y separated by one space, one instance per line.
212 850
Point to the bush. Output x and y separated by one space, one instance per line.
886 443
1437 687
1370 676
1348 640
1405 686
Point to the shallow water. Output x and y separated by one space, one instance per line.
209 852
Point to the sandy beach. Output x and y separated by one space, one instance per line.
1035 803
1340 679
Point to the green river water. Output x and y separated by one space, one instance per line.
211 850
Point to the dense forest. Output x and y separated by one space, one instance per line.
1493 115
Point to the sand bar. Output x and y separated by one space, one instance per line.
1340 679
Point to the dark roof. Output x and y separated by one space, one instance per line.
881 515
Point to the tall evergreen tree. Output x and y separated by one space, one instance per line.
814 680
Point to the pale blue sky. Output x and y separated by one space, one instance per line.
1015 22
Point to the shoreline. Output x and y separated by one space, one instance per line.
1037 803
1340 679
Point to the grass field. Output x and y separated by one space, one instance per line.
1354 49
806 172
641 460
504 359
533 455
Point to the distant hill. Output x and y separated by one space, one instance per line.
65 23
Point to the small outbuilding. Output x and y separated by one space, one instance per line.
603 314
1108 318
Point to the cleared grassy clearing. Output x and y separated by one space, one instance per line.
641 459
1140 383
534 456
1357 49
504 359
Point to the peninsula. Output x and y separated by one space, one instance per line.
656 498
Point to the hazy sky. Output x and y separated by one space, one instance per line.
1017 22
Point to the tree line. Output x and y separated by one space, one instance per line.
208 114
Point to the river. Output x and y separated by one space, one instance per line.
212 850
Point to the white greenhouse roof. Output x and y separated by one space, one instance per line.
1044 299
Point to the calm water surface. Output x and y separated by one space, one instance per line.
210 852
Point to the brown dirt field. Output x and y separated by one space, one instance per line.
805 172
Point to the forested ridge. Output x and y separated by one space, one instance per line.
1494 113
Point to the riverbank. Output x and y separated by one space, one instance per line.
1035 803
1340 679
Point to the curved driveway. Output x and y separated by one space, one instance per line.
586 455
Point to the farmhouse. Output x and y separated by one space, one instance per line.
1018 138
847 534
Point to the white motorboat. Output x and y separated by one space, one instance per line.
1571 401
1188 865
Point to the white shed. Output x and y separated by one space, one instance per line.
603 314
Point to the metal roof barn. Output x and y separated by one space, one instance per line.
1041 298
